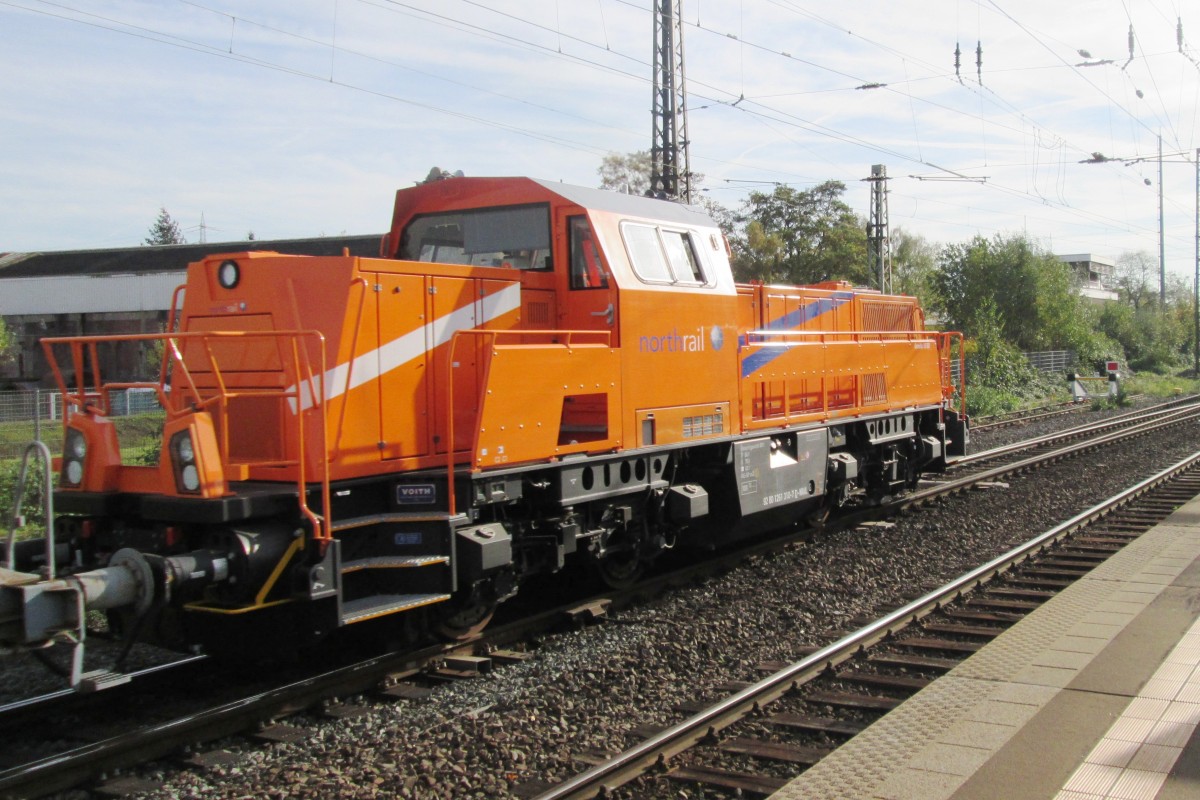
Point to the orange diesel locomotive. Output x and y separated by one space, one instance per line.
530 374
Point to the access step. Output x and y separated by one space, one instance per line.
367 520
392 562
366 608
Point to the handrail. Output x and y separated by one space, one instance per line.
362 301
190 398
945 352
845 336
603 338
48 506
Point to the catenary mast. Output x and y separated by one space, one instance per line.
670 172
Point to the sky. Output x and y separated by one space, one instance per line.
303 118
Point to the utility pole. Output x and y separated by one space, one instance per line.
1162 248
670 172
879 244
1100 158
1196 281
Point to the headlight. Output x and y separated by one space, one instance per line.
190 478
76 444
183 458
186 454
228 274
74 450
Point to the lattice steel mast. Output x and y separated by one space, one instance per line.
879 244
670 171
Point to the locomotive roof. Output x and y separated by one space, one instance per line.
630 204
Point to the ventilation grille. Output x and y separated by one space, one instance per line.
874 389
879 316
537 313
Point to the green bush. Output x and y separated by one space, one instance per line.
986 401
31 505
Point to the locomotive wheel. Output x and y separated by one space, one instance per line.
621 570
466 618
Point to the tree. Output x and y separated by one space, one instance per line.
759 256
1153 337
626 172
819 236
8 343
1031 290
629 173
1136 278
914 262
165 230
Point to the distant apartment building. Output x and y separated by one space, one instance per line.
1095 275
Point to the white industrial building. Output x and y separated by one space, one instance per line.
114 291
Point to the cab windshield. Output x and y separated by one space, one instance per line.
516 238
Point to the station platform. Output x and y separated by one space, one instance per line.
1096 694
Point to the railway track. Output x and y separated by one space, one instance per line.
1075 440
997 421
1028 415
254 711
869 671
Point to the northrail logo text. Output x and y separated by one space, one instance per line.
676 342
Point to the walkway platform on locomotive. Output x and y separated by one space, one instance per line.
1096 694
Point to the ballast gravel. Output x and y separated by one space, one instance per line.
584 691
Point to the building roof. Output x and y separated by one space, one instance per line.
1090 258
168 258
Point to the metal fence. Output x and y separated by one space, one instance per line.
1052 360
37 414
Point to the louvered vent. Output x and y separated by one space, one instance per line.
887 316
874 389
537 313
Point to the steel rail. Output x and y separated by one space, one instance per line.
40 703
680 737
967 481
71 768
1161 411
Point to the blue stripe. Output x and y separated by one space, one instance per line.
792 321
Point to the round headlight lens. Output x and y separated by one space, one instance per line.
74 472
228 274
76 445
191 478
186 453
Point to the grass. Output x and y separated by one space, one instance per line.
138 435
1160 385
133 432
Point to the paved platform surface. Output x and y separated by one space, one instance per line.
1096 694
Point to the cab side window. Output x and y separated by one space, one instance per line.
663 255
586 270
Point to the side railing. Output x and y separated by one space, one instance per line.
952 355
301 370
792 375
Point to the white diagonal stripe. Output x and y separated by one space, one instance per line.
401 350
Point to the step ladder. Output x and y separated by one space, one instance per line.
394 569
